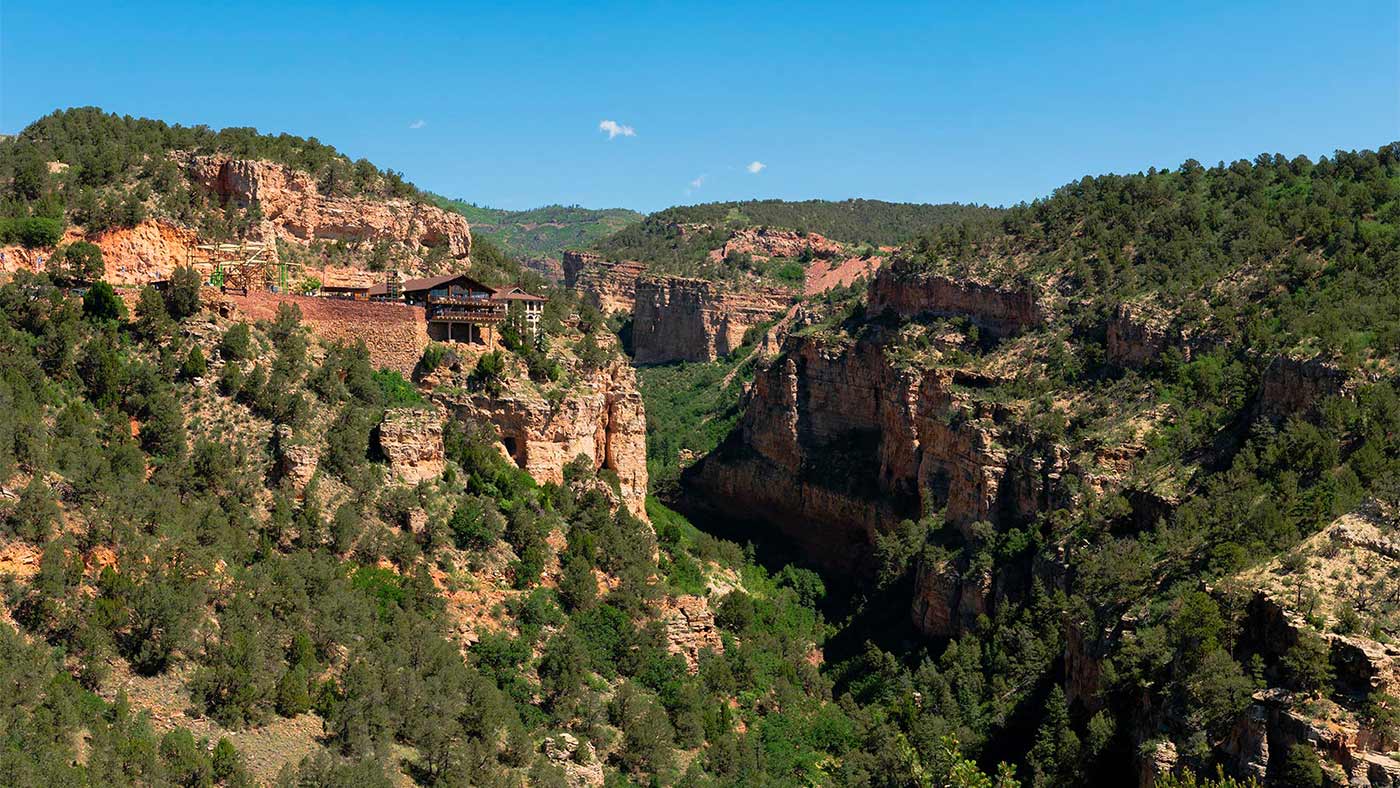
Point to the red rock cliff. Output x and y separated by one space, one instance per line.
681 319
609 286
601 417
297 211
1002 310
837 444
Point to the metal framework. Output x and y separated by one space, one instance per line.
243 266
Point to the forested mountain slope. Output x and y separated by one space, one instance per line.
677 240
540 235
1113 424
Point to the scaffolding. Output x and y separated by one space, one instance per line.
243 267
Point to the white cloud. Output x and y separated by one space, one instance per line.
418 124
614 129
755 167
698 182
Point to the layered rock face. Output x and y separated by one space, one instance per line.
609 286
690 629
131 255
682 319
1003 311
1291 385
297 211
1138 333
765 242
601 417
411 439
837 444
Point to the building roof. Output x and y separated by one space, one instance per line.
419 285
516 293
344 286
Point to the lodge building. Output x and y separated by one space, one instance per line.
461 309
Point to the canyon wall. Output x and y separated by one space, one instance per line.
132 256
837 444
294 209
1002 310
682 319
601 417
609 286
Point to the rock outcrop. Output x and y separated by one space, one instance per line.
294 208
837 443
1001 310
682 319
1293 385
609 286
1345 565
601 417
690 629
411 440
1138 333
131 255
296 459
767 242
578 761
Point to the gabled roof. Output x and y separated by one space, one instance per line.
429 283
516 293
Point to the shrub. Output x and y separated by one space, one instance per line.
182 296
237 344
35 231
100 302
194 365
489 374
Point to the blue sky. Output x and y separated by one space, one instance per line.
501 104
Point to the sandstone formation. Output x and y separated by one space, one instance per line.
1000 310
579 761
295 210
766 243
296 459
682 319
690 629
600 417
132 255
837 443
1292 385
1138 333
411 439
609 286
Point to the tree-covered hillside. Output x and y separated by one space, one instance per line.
1185 382
542 232
180 607
677 240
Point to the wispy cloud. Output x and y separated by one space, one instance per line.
418 124
755 167
697 183
615 129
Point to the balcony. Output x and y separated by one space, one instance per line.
482 312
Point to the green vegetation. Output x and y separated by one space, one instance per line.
541 232
677 240
691 407
269 601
